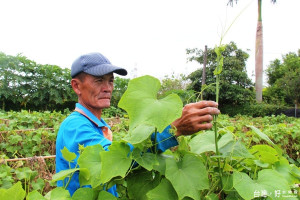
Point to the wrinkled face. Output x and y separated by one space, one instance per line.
95 91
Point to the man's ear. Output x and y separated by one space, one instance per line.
75 83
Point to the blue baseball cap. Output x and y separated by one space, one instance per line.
95 64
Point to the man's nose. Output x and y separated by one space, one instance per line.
107 86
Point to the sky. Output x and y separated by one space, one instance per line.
147 37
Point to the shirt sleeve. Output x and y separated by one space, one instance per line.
164 140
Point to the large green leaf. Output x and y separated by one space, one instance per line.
115 162
139 133
266 138
83 193
269 183
161 158
164 191
35 195
140 182
91 160
104 195
206 142
265 153
187 176
286 170
235 150
141 103
60 193
16 192
146 160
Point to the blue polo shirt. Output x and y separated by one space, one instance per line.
87 130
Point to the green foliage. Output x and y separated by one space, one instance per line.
113 112
254 109
268 180
15 192
191 171
284 81
176 85
24 84
143 91
235 85
238 145
120 86
250 161
27 134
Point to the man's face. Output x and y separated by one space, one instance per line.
96 91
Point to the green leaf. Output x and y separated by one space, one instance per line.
140 182
219 50
16 192
115 162
265 153
146 160
90 159
266 138
106 195
235 150
268 182
35 195
206 142
203 142
83 193
261 134
67 155
283 167
141 103
60 193
212 196
161 158
164 191
39 184
139 133
187 176
25 173
63 174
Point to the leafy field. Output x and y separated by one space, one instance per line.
28 134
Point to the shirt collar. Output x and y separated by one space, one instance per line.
91 116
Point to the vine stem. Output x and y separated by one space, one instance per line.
217 148
215 119
155 146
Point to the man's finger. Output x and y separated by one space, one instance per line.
201 104
208 111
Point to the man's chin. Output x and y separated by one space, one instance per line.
104 103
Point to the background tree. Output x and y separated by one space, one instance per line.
24 84
258 51
120 86
178 85
235 86
284 80
8 80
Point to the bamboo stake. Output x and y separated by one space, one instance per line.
25 159
24 130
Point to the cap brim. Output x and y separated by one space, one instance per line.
100 70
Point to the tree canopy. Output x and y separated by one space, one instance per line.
24 84
235 86
284 79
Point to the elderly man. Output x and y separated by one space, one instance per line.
93 82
